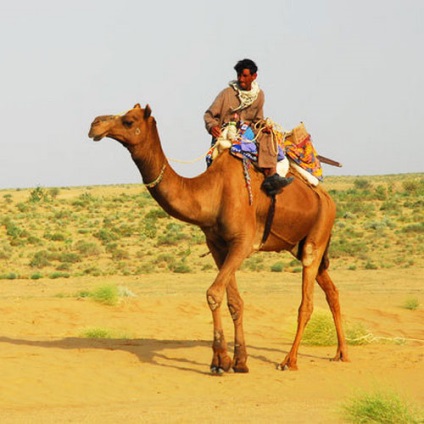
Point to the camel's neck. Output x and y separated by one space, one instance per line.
178 196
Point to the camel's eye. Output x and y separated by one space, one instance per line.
127 123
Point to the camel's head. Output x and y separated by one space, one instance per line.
126 128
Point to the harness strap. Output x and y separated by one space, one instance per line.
269 220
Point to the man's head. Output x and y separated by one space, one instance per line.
246 73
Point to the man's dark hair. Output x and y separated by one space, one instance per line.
246 64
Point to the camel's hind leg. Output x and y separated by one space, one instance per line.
304 314
312 271
332 296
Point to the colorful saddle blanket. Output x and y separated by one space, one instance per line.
299 148
296 145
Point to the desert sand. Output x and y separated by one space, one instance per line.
156 369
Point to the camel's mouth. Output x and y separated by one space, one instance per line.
95 135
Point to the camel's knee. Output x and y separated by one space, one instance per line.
214 299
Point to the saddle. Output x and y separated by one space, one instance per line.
295 149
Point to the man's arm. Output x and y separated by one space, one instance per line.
213 115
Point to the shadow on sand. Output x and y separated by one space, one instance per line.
153 351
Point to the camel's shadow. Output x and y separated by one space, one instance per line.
153 351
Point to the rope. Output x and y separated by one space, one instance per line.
272 127
370 338
189 161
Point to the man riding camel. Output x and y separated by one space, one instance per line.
243 101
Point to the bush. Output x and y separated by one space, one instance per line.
181 268
58 274
40 259
38 195
107 295
362 184
87 248
412 304
320 331
380 407
156 213
9 276
277 267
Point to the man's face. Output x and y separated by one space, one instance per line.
245 79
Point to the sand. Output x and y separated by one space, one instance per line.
155 369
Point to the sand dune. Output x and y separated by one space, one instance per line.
156 366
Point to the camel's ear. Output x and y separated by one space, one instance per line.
137 106
147 111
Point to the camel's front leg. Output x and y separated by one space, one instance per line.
221 361
225 280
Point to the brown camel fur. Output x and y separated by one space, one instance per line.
218 202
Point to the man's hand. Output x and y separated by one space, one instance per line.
216 131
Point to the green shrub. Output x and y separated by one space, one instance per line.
87 248
361 184
106 236
107 295
9 276
412 304
38 195
181 268
69 257
414 228
97 333
55 236
277 267
254 263
412 187
370 265
58 274
380 407
119 254
320 331
40 259
156 213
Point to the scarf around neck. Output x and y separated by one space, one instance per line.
246 97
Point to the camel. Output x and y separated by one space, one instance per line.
219 203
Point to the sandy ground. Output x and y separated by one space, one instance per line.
156 370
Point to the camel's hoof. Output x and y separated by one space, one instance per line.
242 369
217 371
282 367
286 367
340 359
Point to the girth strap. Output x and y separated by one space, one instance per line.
269 220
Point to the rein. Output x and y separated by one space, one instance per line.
155 182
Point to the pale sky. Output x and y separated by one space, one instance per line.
352 71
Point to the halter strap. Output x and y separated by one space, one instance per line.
155 182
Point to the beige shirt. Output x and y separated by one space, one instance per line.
221 110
